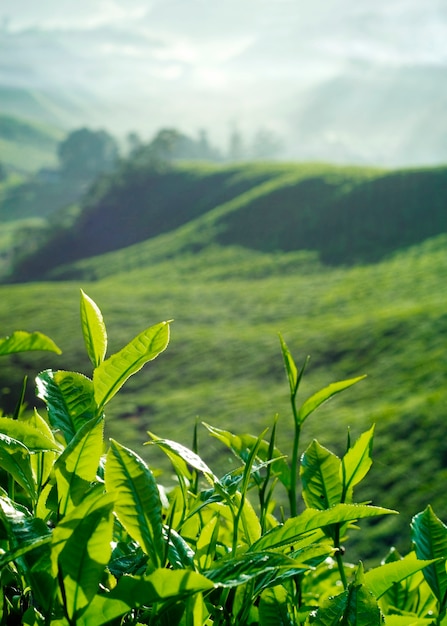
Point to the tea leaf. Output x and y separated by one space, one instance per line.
291 368
273 608
429 535
15 459
320 477
356 463
238 571
312 520
408 620
353 607
93 330
77 466
28 435
317 399
111 374
69 399
82 549
241 445
206 543
23 341
29 541
182 457
382 578
138 505
131 592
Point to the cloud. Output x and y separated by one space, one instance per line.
72 14
211 61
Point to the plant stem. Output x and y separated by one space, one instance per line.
294 468
338 556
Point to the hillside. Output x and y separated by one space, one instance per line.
344 215
376 309
26 146
51 107
223 365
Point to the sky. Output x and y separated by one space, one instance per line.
217 64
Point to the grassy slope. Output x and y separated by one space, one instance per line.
224 364
229 302
345 215
27 146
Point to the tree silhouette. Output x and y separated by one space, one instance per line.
86 153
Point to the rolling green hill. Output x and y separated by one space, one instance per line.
379 309
27 146
344 215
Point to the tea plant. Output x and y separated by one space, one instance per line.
88 537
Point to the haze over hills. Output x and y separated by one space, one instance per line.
334 81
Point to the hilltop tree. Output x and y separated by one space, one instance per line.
265 145
170 145
236 151
134 143
85 154
206 151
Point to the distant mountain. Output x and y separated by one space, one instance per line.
344 215
44 106
374 114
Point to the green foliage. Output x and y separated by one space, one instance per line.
89 537
84 154
22 341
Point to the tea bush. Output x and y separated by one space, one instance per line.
89 536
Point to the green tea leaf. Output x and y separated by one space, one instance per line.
41 464
36 421
77 466
69 399
382 578
353 607
182 457
206 543
15 459
111 374
250 525
408 620
317 399
320 477
429 536
138 505
410 596
23 341
356 463
82 549
273 608
29 542
233 572
93 330
313 520
31 437
162 585
242 445
180 554
291 368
